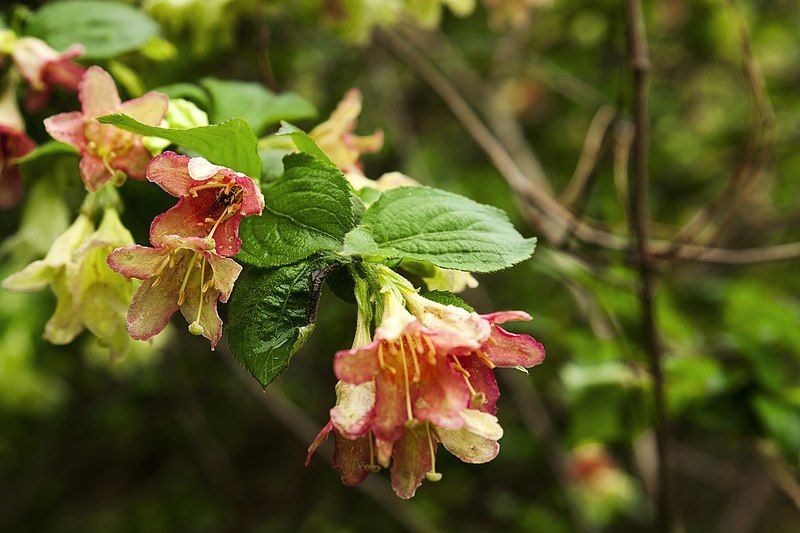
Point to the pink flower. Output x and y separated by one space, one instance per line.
336 135
14 143
106 151
178 273
44 68
414 363
213 200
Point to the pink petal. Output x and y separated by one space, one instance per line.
186 218
350 458
506 349
391 413
147 109
226 272
383 451
98 93
37 99
482 379
140 262
227 238
357 365
93 172
321 437
68 128
63 73
252 199
209 317
13 143
169 171
154 303
411 461
133 162
500 317
442 396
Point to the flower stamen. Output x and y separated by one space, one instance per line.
432 475
405 379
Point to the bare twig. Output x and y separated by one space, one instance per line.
623 137
758 148
556 221
589 155
639 62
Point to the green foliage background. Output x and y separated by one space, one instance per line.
177 439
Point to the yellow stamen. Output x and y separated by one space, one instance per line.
405 379
209 185
431 349
483 357
382 362
413 348
182 291
372 467
433 475
477 398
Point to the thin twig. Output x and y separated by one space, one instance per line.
639 63
552 212
589 155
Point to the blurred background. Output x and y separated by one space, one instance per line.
176 437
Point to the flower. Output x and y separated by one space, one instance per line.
426 378
14 143
89 295
181 115
106 151
213 200
44 68
336 138
178 273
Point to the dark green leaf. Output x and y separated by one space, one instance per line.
251 101
230 144
306 211
270 315
303 142
448 298
105 28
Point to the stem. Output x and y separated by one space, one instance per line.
638 56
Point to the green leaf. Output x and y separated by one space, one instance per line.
306 211
304 142
46 149
448 298
230 144
446 229
251 101
105 28
187 91
270 315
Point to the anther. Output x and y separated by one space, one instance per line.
195 328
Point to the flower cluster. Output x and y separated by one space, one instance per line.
107 152
188 266
426 377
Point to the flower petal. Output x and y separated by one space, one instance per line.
482 424
208 316
187 218
506 349
153 304
66 323
98 93
469 447
483 381
93 172
357 365
500 317
200 169
149 108
67 128
354 409
411 460
134 161
350 457
63 72
252 199
442 396
169 171
321 437
140 262
34 277
390 406
226 272
226 236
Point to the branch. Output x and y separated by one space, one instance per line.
555 222
639 62
589 155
